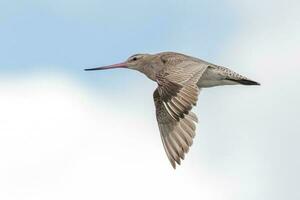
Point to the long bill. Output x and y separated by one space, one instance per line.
119 65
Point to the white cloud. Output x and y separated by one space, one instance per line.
57 142
266 48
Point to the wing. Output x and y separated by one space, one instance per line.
177 135
174 99
177 83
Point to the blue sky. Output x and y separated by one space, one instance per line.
69 133
67 36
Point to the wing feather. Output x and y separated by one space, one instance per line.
174 99
177 135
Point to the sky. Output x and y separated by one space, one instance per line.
66 133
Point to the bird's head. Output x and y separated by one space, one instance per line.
136 62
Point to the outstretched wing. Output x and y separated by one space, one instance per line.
174 99
177 135
177 83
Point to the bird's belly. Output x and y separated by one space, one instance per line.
211 78
213 83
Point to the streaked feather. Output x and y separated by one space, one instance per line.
174 99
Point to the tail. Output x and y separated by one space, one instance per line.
234 77
217 75
244 81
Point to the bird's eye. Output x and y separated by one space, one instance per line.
134 58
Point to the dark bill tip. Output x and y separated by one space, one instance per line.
92 69
119 65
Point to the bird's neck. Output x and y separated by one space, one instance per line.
149 71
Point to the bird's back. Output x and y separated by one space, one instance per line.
184 67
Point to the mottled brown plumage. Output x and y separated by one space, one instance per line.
180 79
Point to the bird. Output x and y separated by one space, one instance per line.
179 79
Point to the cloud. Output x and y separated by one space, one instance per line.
266 49
59 141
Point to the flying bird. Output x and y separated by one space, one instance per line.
179 78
